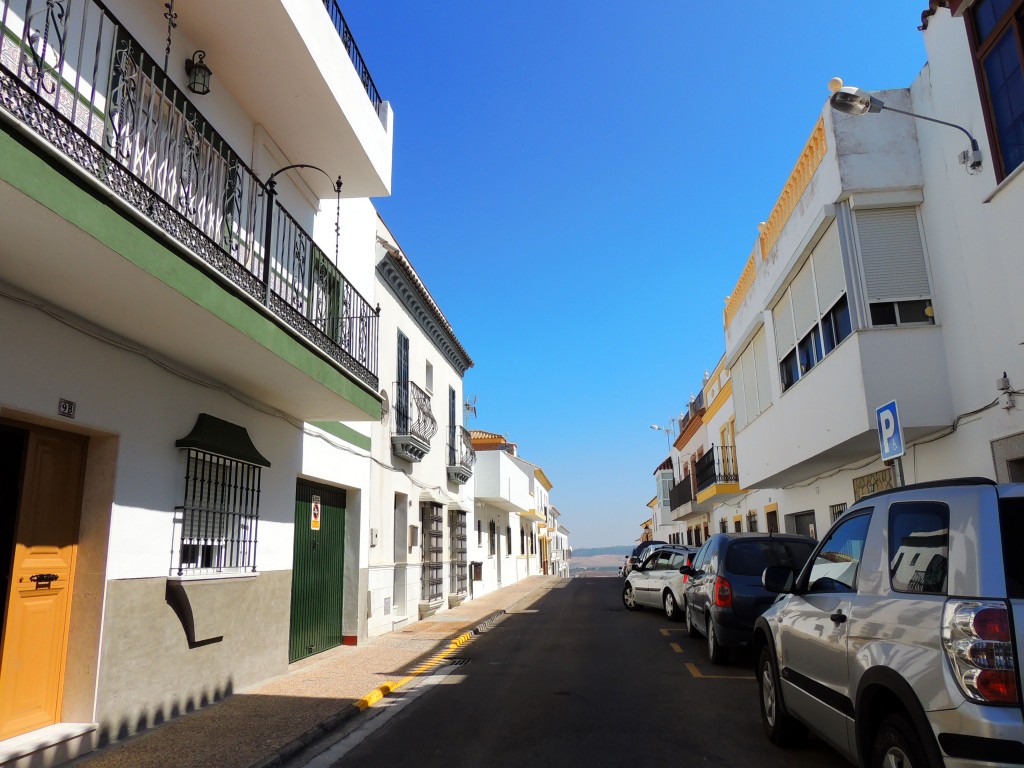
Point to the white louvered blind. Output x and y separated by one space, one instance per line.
892 254
738 400
764 371
828 268
750 384
805 306
785 338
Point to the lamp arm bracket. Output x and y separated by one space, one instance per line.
974 142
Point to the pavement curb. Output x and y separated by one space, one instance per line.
319 731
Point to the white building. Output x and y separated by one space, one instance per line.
423 459
190 413
888 270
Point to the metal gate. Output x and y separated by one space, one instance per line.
318 565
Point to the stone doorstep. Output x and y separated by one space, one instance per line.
52 745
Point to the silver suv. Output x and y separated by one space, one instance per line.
896 642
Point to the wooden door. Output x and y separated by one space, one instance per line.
38 608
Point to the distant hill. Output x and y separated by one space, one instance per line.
592 551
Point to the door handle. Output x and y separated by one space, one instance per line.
838 617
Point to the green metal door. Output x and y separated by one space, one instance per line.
317 569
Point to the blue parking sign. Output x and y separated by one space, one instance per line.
890 433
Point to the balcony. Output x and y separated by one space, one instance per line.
414 422
717 474
295 67
90 114
461 456
681 493
869 369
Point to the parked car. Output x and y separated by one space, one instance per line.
724 595
635 557
929 581
657 580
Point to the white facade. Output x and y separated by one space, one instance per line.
205 426
411 490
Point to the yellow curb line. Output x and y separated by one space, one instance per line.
381 691
697 673
676 647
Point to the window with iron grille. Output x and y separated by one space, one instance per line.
723 525
492 539
479 534
752 521
508 540
218 517
522 541
433 551
459 566
837 511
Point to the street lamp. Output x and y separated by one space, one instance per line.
668 433
855 101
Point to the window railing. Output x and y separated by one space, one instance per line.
682 493
461 453
716 466
215 527
353 51
412 412
79 80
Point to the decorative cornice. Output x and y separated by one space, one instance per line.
399 275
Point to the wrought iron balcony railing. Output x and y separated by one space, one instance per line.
334 10
461 456
72 74
414 422
717 466
681 493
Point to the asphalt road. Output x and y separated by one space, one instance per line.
577 680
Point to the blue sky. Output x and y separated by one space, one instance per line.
579 185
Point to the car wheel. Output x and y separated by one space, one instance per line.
897 745
716 652
671 608
629 599
691 628
781 729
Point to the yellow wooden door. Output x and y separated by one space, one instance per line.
35 630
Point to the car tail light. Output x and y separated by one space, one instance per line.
723 593
978 641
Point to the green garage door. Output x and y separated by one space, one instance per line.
317 569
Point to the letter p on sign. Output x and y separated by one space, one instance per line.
890 433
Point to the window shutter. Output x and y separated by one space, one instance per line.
764 371
750 384
828 268
738 374
805 305
785 338
892 254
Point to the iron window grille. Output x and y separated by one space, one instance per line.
459 565
508 540
432 578
752 521
492 539
216 525
836 511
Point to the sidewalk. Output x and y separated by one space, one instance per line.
264 726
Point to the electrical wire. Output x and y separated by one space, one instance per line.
244 400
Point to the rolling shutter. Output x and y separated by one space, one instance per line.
892 254
764 371
805 305
782 315
828 268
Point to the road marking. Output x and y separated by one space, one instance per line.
698 674
666 630
676 647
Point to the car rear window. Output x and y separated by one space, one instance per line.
750 558
1011 526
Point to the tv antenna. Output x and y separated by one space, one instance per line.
469 407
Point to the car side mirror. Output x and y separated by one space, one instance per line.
778 578
687 570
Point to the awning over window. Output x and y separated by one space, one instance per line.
223 438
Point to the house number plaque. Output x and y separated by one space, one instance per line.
66 408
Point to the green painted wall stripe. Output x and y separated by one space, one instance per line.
344 432
48 184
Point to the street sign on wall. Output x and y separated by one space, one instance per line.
890 433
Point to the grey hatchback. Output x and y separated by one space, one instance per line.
724 594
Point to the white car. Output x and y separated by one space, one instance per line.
658 582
